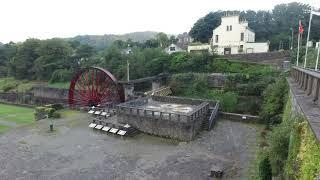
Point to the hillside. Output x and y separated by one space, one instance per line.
100 42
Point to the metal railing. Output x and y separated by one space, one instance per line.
213 115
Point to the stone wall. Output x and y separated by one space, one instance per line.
180 100
47 92
29 98
239 117
183 131
217 80
273 58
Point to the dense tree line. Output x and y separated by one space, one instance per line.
56 60
271 25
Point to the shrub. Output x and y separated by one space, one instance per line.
56 115
54 106
265 169
41 112
278 140
61 75
274 98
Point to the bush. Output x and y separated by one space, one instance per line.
265 169
54 106
56 115
61 75
42 112
274 98
278 141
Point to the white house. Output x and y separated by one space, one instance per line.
174 48
234 36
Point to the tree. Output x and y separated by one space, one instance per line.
173 39
202 29
162 39
7 51
53 54
21 65
265 171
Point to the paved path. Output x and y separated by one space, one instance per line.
8 123
75 152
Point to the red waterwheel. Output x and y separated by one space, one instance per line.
94 86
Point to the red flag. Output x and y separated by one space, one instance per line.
300 28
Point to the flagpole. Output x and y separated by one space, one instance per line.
298 49
306 54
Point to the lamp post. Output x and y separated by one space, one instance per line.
128 63
291 42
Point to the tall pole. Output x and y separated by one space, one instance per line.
291 38
128 63
306 54
128 69
298 49
316 68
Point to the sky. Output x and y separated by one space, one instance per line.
43 19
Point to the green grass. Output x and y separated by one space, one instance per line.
4 128
60 85
19 115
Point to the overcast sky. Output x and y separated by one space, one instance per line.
21 19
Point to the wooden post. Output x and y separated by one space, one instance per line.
316 95
310 85
306 82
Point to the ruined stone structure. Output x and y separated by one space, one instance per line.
172 117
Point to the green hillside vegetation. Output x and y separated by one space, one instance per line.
13 85
101 42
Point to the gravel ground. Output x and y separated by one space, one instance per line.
75 152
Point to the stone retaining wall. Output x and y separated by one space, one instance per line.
239 117
29 98
48 92
273 58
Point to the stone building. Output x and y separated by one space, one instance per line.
184 40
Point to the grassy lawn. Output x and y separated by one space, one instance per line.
4 128
16 114
60 85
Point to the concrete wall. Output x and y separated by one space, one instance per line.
256 47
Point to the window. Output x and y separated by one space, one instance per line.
242 37
172 48
227 28
217 38
230 28
241 48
